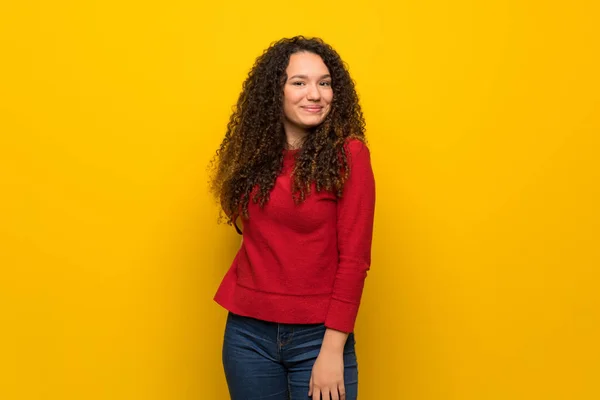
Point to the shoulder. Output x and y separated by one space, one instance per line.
360 171
356 149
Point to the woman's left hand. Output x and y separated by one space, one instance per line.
327 377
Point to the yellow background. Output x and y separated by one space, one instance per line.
483 120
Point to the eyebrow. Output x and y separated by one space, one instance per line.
306 77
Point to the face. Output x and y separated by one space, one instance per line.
307 93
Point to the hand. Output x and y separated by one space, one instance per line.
327 377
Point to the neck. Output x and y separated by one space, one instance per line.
294 136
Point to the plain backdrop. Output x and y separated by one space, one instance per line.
483 122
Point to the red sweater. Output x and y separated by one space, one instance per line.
306 263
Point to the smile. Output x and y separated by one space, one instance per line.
313 109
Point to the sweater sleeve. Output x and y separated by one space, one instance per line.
355 214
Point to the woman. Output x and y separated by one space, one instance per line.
293 166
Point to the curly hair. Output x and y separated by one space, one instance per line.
250 156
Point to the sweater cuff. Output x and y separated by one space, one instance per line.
341 316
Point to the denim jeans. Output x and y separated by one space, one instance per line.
267 360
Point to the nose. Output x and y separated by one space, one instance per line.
313 93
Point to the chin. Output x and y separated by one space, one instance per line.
313 122
311 126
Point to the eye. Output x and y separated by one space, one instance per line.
297 83
326 83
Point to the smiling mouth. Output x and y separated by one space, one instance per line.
313 109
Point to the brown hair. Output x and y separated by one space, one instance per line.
251 154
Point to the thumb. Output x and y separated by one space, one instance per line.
310 386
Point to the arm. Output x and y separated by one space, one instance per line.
355 214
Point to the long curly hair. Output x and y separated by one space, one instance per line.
250 156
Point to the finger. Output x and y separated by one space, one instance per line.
342 391
316 394
334 394
325 394
310 388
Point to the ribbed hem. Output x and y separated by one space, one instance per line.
274 307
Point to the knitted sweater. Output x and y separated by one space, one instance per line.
305 263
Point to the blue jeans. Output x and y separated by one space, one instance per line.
267 360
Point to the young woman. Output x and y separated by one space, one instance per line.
294 168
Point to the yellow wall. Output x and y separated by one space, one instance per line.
483 119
